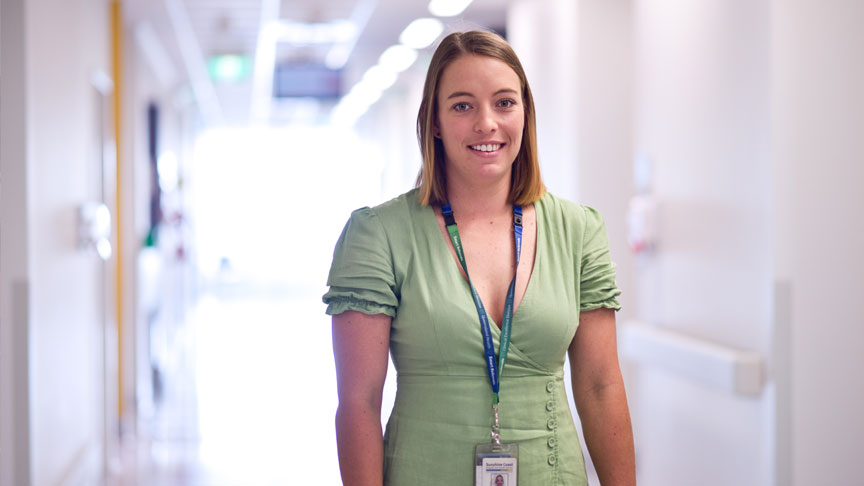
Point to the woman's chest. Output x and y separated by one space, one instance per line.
492 265
437 327
437 324
493 253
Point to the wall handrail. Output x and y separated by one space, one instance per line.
736 371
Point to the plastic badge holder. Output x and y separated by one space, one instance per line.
496 464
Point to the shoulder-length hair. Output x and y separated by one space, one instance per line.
526 186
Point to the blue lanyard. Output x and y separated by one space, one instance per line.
495 370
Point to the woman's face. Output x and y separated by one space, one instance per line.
480 118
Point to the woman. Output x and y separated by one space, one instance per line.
398 284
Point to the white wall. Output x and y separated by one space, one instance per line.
14 257
56 161
703 118
818 169
66 387
545 38
396 115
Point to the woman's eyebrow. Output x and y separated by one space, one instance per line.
460 93
465 93
506 90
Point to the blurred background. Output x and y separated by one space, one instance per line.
175 174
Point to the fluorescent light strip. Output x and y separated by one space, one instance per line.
421 33
398 58
448 8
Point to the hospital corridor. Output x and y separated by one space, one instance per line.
175 176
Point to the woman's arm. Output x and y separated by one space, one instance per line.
360 347
598 391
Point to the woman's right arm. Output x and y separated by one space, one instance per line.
360 348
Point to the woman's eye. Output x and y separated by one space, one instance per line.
460 106
506 103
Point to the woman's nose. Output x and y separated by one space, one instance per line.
485 121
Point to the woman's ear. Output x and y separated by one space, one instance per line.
435 131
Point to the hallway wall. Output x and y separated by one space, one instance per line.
64 44
818 169
702 119
14 236
65 349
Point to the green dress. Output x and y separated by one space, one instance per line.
393 259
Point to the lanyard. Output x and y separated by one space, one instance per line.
495 370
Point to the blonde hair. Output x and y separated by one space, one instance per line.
526 185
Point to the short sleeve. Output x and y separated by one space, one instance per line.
597 285
361 276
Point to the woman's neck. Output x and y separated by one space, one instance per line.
475 200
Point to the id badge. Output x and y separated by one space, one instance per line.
495 464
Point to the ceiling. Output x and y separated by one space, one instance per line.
176 38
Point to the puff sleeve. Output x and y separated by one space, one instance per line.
597 277
361 277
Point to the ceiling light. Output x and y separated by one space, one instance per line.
337 56
379 77
448 8
421 33
353 105
363 94
398 58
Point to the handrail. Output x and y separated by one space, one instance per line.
736 371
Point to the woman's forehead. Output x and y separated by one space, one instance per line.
483 74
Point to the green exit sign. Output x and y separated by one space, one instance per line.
228 67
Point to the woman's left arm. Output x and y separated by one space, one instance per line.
601 402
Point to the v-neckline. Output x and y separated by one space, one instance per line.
455 265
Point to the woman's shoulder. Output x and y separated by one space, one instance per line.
404 202
394 213
566 210
569 222
397 210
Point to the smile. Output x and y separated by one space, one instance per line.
491 147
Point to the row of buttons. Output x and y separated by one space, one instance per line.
551 424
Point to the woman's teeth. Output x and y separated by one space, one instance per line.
486 147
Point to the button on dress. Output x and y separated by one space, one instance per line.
392 259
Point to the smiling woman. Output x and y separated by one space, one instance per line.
400 282
480 120
486 48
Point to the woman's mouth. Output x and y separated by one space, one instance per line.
486 147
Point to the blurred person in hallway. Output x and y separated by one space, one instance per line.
399 282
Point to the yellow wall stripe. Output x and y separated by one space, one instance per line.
117 71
